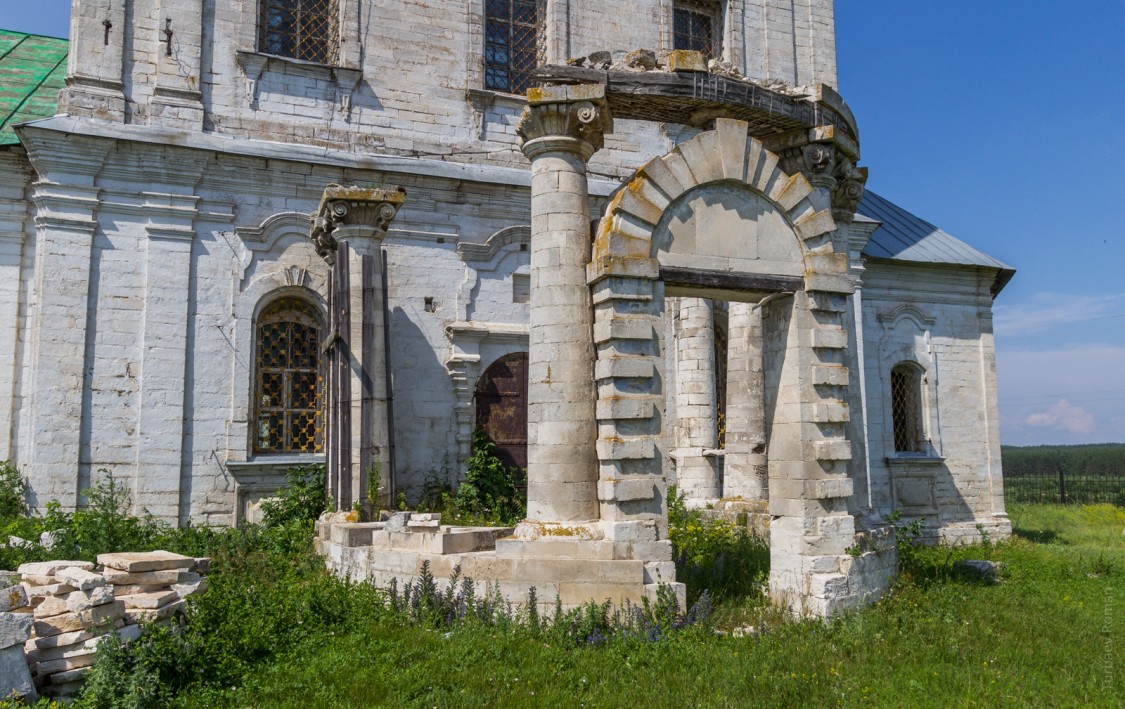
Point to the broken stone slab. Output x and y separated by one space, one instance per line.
138 562
150 578
145 601
50 568
63 652
68 677
133 589
50 667
644 59
397 521
48 540
53 589
15 677
77 636
81 579
183 590
13 597
976 569
51 606
140 616
15 628
82 600
69 622
202 565
37 580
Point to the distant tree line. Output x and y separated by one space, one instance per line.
1096 459
1081 474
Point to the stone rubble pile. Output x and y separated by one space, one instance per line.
52 623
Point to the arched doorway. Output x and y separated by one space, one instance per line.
501 407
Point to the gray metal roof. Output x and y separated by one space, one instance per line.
901 236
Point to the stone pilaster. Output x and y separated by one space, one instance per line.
95 67
14 215
177 100
745 476
561 128
697 467
349 231
66 199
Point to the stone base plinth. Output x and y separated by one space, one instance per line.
572 570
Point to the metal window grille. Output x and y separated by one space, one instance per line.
906 408
695 27
301 29
288 413
513 43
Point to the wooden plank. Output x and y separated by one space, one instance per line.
725 280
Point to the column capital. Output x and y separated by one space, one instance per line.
570 119
828 160
367 210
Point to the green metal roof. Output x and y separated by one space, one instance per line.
32 72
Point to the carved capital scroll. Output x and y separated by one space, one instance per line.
571 118
353 206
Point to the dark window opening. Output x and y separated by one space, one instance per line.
300 29
513 36
906 408
696 28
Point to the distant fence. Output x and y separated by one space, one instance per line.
1057 485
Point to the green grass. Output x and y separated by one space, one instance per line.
1048 634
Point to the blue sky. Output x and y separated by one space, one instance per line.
997 121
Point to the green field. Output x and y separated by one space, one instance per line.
1049 633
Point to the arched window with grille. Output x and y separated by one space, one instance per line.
697 26
906 407
513 40
300 29
288 383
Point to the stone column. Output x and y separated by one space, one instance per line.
349 231
696 414
561 128
745 475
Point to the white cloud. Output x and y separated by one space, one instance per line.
1072 394
1063 416
1046 310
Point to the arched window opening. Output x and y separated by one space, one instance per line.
906 408
300 29
288 395
513 40
697 26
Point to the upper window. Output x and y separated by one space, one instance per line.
512 37
300 29
906 408
287 410
696 27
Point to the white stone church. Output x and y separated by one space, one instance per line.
263 232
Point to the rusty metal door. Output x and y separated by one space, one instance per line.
501 398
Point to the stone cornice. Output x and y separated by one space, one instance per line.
57 127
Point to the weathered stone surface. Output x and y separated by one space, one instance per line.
148 600
15 679
51 606
12 597
138 562
149 578
50 568
81 600
9 578
14 628
183 590
81 579
84 659
977 569
53 589
156 614
202 565
69 622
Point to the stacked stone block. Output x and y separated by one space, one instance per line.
15 627
71 609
